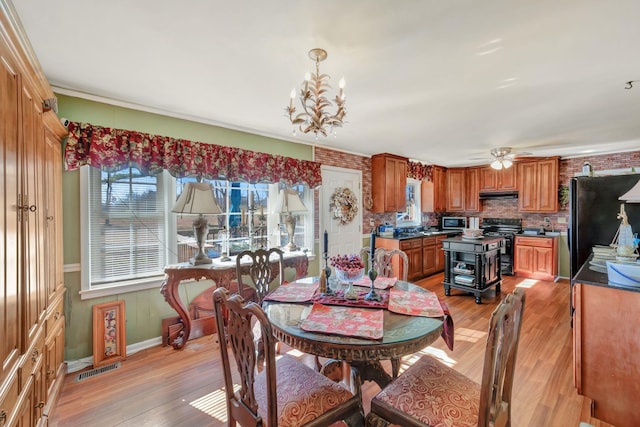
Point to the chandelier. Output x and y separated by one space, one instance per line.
314 103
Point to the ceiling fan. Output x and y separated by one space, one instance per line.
502 157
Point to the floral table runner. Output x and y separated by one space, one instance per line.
339 299
348 321
424 304
379 283
293 292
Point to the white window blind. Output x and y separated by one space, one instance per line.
127 225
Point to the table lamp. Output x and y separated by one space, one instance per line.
288 203
197 198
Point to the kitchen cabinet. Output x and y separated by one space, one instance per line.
388 182
498 180
424 253
456 183
606 344
538 185
536 257
434 193
463 190
30 230
413 249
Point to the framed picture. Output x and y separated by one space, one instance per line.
109 341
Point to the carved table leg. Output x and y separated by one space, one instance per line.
395 367
169 290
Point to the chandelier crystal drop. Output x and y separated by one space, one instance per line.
314 103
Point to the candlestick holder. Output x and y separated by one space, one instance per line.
327 271
372 295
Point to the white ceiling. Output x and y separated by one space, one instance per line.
440 81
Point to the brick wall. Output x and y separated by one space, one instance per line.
494 208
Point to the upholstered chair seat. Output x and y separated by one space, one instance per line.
429 393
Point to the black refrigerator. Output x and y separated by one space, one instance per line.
594 204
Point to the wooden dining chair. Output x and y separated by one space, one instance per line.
430 393
383 262
286 392
261 271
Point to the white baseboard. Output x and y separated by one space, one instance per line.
85 362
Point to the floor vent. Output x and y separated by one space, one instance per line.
97 371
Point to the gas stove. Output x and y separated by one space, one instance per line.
507 228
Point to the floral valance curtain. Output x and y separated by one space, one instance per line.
109 149
419 171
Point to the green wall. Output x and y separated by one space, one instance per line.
144 309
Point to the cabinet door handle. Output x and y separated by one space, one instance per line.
40 405
3 416
50 373
49 218
56 315
31 208
34 355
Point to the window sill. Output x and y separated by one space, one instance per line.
122 288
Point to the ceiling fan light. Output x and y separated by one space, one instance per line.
506 163
496 164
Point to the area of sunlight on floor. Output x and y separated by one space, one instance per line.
214 404
527 283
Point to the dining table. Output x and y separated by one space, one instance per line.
401 334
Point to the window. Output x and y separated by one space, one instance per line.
133 235
412 215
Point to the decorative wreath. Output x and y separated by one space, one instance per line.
344 205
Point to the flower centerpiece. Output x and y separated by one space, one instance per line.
349 268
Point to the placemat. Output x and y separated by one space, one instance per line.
338 299
347 321
293 292
424 304
379 283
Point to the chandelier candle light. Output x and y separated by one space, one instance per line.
314 116
197 198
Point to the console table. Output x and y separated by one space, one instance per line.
222 273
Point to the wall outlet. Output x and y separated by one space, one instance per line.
372 222
547 220
562 220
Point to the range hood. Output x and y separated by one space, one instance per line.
499 195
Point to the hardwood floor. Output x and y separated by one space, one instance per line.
164 387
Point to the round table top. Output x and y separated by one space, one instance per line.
402 334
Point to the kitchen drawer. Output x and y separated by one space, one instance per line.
31 358
539 242
55 313
411 244
8 399
428 241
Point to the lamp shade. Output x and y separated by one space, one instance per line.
633 195
289 201
196 198
496 164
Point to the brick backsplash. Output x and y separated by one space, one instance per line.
492 208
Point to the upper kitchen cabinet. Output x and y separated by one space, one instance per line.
538 185
462 190
434 193
388 181
498 180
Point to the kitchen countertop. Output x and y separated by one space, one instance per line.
420 234
588 276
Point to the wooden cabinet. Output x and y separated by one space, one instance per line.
538 185
434 193
536 257
498 180
463 190
413 249
455 189
429 251
30 227
424 253
388 182
606 346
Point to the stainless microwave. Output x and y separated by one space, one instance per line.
454 223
